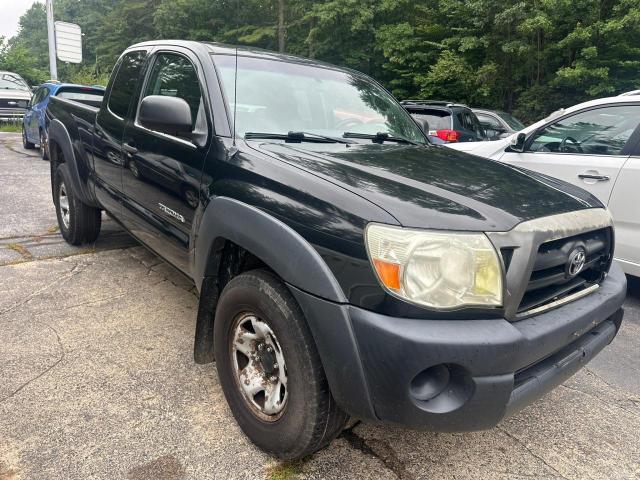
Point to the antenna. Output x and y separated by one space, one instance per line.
235 98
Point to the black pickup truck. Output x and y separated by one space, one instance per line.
345 266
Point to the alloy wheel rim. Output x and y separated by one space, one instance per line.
259 367
63 203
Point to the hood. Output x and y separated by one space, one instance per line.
15 94
434 186
492 149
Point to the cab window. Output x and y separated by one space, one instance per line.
173 75
125 82
602 131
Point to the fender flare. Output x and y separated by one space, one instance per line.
59 135
279 246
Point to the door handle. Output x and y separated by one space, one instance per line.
590 176
131 150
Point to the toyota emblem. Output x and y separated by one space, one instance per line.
577 259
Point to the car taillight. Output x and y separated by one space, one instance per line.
448 135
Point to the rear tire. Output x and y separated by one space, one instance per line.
79 223
44 151
26 143
305 417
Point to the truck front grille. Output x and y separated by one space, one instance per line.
551 278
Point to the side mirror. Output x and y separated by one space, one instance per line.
170 115
517 142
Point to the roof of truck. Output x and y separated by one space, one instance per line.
226 49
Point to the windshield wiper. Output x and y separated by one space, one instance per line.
296 137
379 137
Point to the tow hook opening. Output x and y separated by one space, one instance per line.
442 388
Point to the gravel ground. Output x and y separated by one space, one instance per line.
97 378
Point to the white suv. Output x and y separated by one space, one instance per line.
595 145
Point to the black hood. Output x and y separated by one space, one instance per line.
436 187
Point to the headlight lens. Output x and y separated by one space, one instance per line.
436 269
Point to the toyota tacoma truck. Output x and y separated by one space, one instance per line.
346 267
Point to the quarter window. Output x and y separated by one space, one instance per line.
124 85
602 131
488 121
175 76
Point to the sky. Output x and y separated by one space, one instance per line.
11 12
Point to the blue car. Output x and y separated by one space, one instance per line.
34 127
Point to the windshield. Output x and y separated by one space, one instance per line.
512 121
280 97
9 81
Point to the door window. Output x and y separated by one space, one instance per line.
602 131
175 76
124 85
40 95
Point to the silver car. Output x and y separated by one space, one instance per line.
14 95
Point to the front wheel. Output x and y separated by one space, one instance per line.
25 141
270 370
79 223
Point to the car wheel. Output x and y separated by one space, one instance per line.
79 223
25 142
270 370
44 149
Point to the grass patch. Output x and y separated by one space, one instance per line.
285 470
11 127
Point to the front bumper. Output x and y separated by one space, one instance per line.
455 375
12 112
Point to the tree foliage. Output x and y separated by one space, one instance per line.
526 56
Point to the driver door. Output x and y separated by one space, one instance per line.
587 149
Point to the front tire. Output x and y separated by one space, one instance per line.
79 223
270 370
25 142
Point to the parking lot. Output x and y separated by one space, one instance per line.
97 378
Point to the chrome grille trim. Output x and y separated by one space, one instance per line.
525 240
558 303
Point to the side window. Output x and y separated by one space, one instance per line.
37 97
124 85
488 121
602 131
173 75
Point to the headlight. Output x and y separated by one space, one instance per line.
436 269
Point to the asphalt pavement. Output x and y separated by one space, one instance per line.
97 378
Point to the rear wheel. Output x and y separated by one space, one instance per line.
79 223
25 142
44 152
270 370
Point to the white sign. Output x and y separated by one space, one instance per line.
69 42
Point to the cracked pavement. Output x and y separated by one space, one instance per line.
97 378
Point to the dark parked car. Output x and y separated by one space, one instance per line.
345 266
451 122
498 124
34 127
